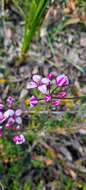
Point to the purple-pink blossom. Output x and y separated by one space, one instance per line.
48 88
56 103
10 119
10 101
13 116
33 101
2 117
62 94
39 83
48 98
62 80
51 76
19 139
9 125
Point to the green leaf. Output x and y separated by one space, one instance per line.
40 186
32 136
37 164
28 185
84 187
32 22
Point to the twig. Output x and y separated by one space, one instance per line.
70 98
43 112
65 98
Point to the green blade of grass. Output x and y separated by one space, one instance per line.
32 22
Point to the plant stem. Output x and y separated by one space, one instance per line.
65 98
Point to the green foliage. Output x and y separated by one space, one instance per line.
28 184
60 27
37 164
32 13
84 186
50 123
15 185
40 186
31 136
66 182
33 18
81 3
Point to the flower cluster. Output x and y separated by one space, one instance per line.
10 119
52 87
52 90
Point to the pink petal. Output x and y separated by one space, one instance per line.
19 139
10 101
37 78
18 120
11 121
1 121
2 118
1 114
43 89
9 126
62 80
33 101
6 114
45 81
56 103
51 76
18 127
9 112
1 106
48 98
18 112
31 85
62 94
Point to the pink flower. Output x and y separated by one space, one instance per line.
33 101
10 101
62 80
51 76
9 126
19 139
62 94
48 98
40 83
56 103
2 117
13 116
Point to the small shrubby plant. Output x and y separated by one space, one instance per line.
50 91
52 88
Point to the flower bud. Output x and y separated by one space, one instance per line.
51 76
18 139
10 101
56 103
47 98
33 101
62 94
62 80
